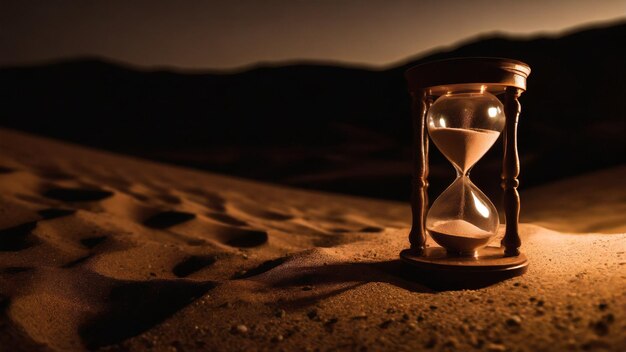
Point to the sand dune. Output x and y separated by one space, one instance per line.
104 251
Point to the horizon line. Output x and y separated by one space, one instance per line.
263 64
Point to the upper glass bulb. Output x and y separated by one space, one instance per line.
465 125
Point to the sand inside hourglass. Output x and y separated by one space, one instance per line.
463 146
459 235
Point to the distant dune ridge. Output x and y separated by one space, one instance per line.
324 127
106 251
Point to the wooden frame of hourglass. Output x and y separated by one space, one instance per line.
506 79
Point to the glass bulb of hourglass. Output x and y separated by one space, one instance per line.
464 126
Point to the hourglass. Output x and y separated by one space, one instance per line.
464 105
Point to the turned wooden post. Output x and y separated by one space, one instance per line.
510 172
419 181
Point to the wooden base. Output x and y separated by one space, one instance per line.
438 269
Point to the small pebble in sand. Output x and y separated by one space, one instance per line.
241 329
280 313
451 343
312 314
245 256
601 327
199 330
278 338
603 306
433 307
391 310
432 342
412 326
385 324
405 317
514 321
307 288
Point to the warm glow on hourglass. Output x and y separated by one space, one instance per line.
492 112
480 206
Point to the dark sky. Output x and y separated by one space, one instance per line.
229 34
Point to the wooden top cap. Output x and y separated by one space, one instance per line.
489 73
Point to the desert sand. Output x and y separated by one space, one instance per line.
105 251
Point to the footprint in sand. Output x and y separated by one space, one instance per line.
91 242
241 238
193 264
263 267
168 218
53 213
17 238
6 170
228 235
77 194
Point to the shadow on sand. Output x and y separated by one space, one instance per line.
330 280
